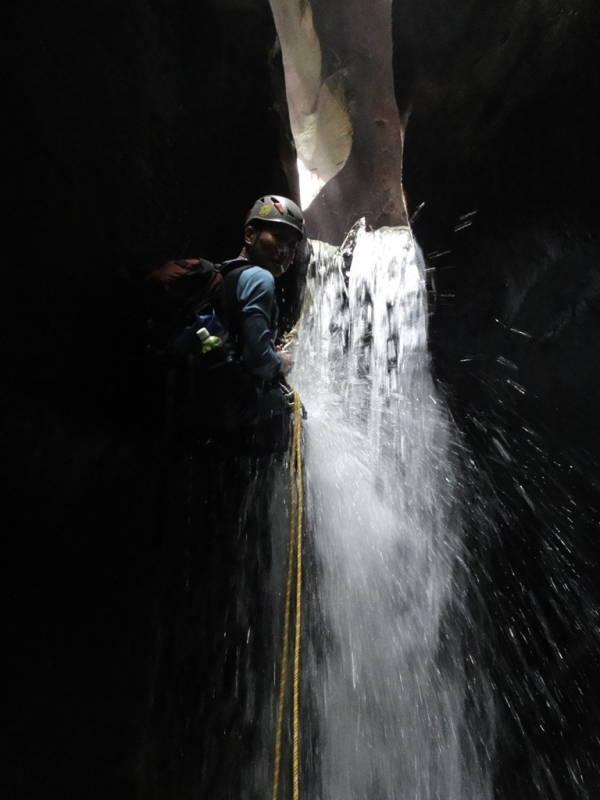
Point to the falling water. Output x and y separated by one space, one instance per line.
384 668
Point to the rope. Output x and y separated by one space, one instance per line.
291 337
294 560
284 648
297 458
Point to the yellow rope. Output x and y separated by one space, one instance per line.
286 640
291 337
297 456
294 559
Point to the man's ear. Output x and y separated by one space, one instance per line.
250 235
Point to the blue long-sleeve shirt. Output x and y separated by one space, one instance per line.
256 296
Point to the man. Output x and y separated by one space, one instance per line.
238 385
273 228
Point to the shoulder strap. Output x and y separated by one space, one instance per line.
231 272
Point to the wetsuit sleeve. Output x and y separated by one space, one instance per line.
256 296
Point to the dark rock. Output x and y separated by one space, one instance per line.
499 148
132 133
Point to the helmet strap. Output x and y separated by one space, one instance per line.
255 242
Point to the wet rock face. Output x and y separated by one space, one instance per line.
499 148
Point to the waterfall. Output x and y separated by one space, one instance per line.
392 694
384 668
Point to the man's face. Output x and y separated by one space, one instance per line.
272 247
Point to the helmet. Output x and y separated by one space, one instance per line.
274 208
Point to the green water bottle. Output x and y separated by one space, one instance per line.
207 342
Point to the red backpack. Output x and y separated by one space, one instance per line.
185 295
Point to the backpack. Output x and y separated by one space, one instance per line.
188 294
209 389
